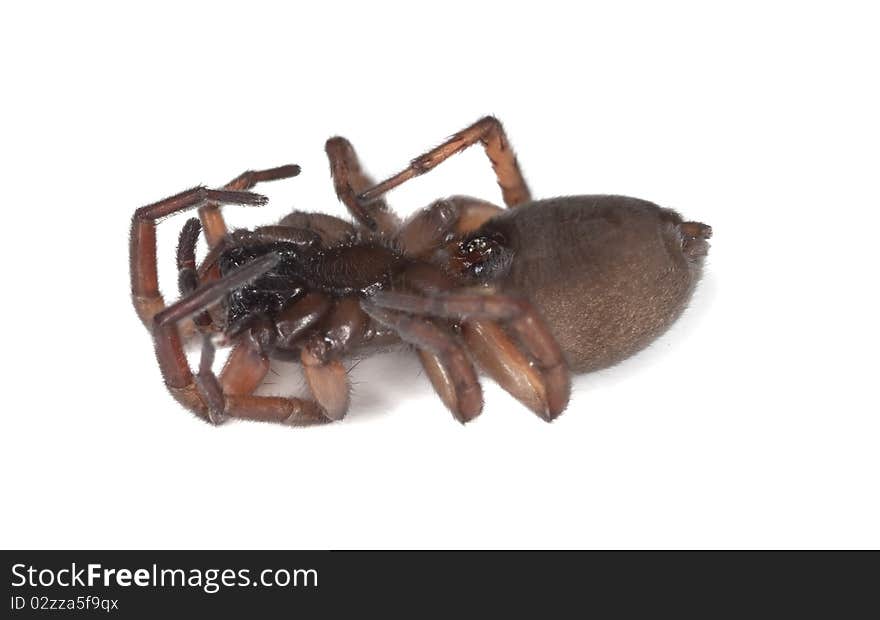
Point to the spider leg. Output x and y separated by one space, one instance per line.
208 385
331 229
166 335
328 382
349 178
204 393
296 320
142 250
187 277
500 357
246 366
448 367
547 397
220 405
492 348
327 378
300 237
187 274
210 213
342 329
490 133
430 228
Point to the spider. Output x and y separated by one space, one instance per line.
528 294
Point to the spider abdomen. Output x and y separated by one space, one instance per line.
608 273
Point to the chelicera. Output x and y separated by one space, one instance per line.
528 294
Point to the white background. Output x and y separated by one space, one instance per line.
752 423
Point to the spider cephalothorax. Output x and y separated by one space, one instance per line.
524 293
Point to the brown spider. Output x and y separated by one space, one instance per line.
527 293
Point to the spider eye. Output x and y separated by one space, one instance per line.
476 249
483 256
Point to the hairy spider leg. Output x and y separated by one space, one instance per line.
449 369
298 319
546 395
204 393
248 363
212 216
187 274
342 325
142 244
247 366
490 133
342 329
349 178
488 343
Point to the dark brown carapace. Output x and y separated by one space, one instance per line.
528 294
